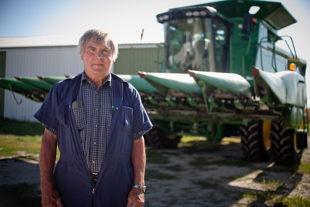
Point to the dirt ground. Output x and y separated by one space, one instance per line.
216 175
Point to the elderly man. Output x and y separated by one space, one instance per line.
98 121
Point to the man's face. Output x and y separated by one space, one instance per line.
97 59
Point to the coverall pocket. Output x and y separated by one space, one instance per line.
126 118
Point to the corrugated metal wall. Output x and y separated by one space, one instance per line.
30 62
65 60
133 58
50 61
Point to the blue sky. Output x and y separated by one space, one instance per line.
124 19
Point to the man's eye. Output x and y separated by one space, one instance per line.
106 51
91 50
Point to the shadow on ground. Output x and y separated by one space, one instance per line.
19 183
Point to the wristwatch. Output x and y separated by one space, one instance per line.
140 187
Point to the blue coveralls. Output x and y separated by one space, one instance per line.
72 177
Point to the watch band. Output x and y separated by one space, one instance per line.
140 187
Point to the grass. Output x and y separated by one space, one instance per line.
10 145
273 184
271 198
304 168
17 137
193 145
296 201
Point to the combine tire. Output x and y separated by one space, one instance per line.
159 139
252 142
283 148
146 140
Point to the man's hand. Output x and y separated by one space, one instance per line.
135 198
51 198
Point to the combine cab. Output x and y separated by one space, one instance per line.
222 75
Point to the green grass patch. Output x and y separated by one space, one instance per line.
19 136
304 168
192 145
296 201
11 144
271 198
262 198
271 183
200 141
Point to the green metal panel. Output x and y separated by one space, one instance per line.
132 60
272 12
2 74
243 49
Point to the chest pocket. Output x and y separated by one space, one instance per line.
79 115
126 118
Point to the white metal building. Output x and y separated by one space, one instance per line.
32 56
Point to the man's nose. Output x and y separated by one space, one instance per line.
99 55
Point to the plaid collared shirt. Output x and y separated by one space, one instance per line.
93 114
94 128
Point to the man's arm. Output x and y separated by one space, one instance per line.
138 158
50 196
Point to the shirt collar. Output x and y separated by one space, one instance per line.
85 79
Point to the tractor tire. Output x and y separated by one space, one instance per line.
146 139
157 138
283 149
252 143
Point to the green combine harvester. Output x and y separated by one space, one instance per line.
222 75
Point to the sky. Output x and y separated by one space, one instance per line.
125 19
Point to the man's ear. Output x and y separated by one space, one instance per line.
82 57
